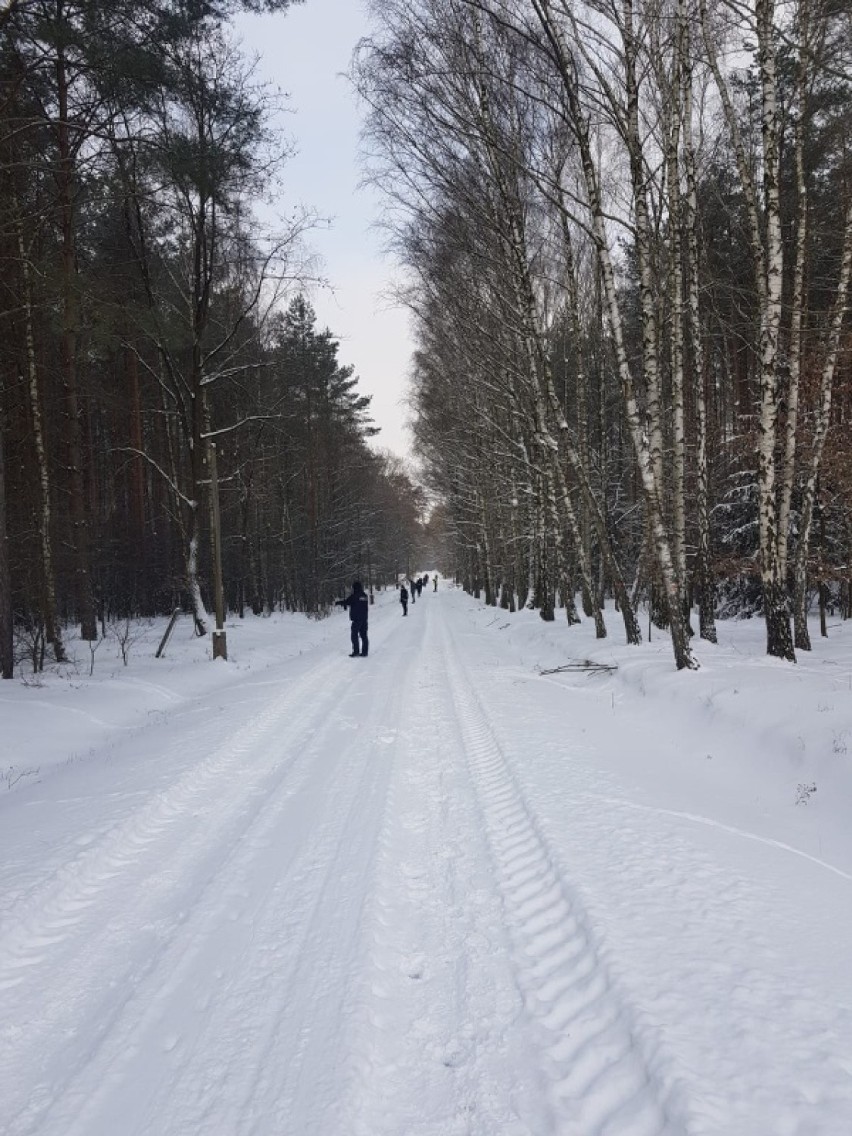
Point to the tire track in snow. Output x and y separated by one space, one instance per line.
608 1076
434 1048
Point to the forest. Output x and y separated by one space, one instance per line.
628 231
157 341
626 236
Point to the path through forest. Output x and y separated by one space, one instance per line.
420 894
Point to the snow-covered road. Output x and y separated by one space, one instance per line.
422 894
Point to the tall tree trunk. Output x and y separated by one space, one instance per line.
545 587
578 455
198 468
484 550
562 520
779 639
532 560
53 633
580 382
562 504
823 421
68 354
768 258
642 241
676 333
7 663
245 554
798 299
518 564
137 473
706 597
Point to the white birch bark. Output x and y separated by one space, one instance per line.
580 379
518 574
778 632
706 613
532 560
485 555
193 585
578 456
642 239
767 255
512 238
676 335
650 485
788 467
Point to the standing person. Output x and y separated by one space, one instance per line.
412 590
359 610
403 598
419 586
435 582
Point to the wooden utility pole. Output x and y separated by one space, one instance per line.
220 642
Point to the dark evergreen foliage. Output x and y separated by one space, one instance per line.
144 318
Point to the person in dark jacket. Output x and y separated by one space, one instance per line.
419 586
359 610
403 599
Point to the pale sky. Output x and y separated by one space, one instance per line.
304 53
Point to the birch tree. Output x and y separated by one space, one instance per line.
555 21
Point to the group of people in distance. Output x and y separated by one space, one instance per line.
417 587
359 610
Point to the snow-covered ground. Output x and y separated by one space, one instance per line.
431 893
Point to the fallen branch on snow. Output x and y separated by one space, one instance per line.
581 665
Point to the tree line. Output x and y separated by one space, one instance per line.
628 231
153 327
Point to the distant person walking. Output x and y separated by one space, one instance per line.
419 586
435 582
412 590
403 599
359 610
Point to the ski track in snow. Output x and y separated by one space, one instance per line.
696 819
363 903
438 1049
109 915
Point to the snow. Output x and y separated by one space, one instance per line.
431 893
